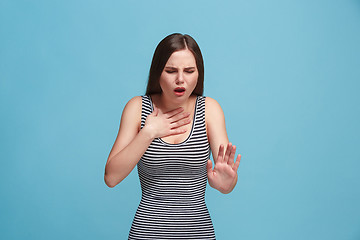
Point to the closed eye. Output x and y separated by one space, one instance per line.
174 70
190 70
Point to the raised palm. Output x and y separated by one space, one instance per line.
224 175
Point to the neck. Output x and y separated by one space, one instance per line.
167 104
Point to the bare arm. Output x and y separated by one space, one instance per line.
215 125
224 175
131 142
129 145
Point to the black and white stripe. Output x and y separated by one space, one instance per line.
173 182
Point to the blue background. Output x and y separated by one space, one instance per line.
285 72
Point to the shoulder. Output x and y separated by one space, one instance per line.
132 109
214 115
212 107
134 103
135 100
215 124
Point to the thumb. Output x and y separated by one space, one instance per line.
209 166
156 111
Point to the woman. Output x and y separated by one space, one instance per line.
167 134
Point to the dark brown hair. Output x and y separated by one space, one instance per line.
163 51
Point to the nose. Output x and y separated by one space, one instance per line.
180 78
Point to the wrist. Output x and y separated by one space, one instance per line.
148 133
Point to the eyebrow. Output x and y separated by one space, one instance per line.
176 68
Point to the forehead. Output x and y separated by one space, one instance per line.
182 58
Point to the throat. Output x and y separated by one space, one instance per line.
167 105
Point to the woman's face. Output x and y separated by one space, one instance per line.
179 77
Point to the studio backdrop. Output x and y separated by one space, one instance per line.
286 74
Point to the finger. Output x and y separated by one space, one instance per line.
172 113
236 165
228 152
232 156
179 116
176 131
220 154
180 123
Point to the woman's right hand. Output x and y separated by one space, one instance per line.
161 124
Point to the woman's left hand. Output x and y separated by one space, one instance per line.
224 175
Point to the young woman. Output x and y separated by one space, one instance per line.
169 133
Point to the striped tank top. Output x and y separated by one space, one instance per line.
173 180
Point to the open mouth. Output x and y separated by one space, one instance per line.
179 90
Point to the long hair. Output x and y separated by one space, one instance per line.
172 43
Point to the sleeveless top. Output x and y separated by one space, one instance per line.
173 180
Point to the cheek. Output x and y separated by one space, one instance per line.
195 79
163 81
